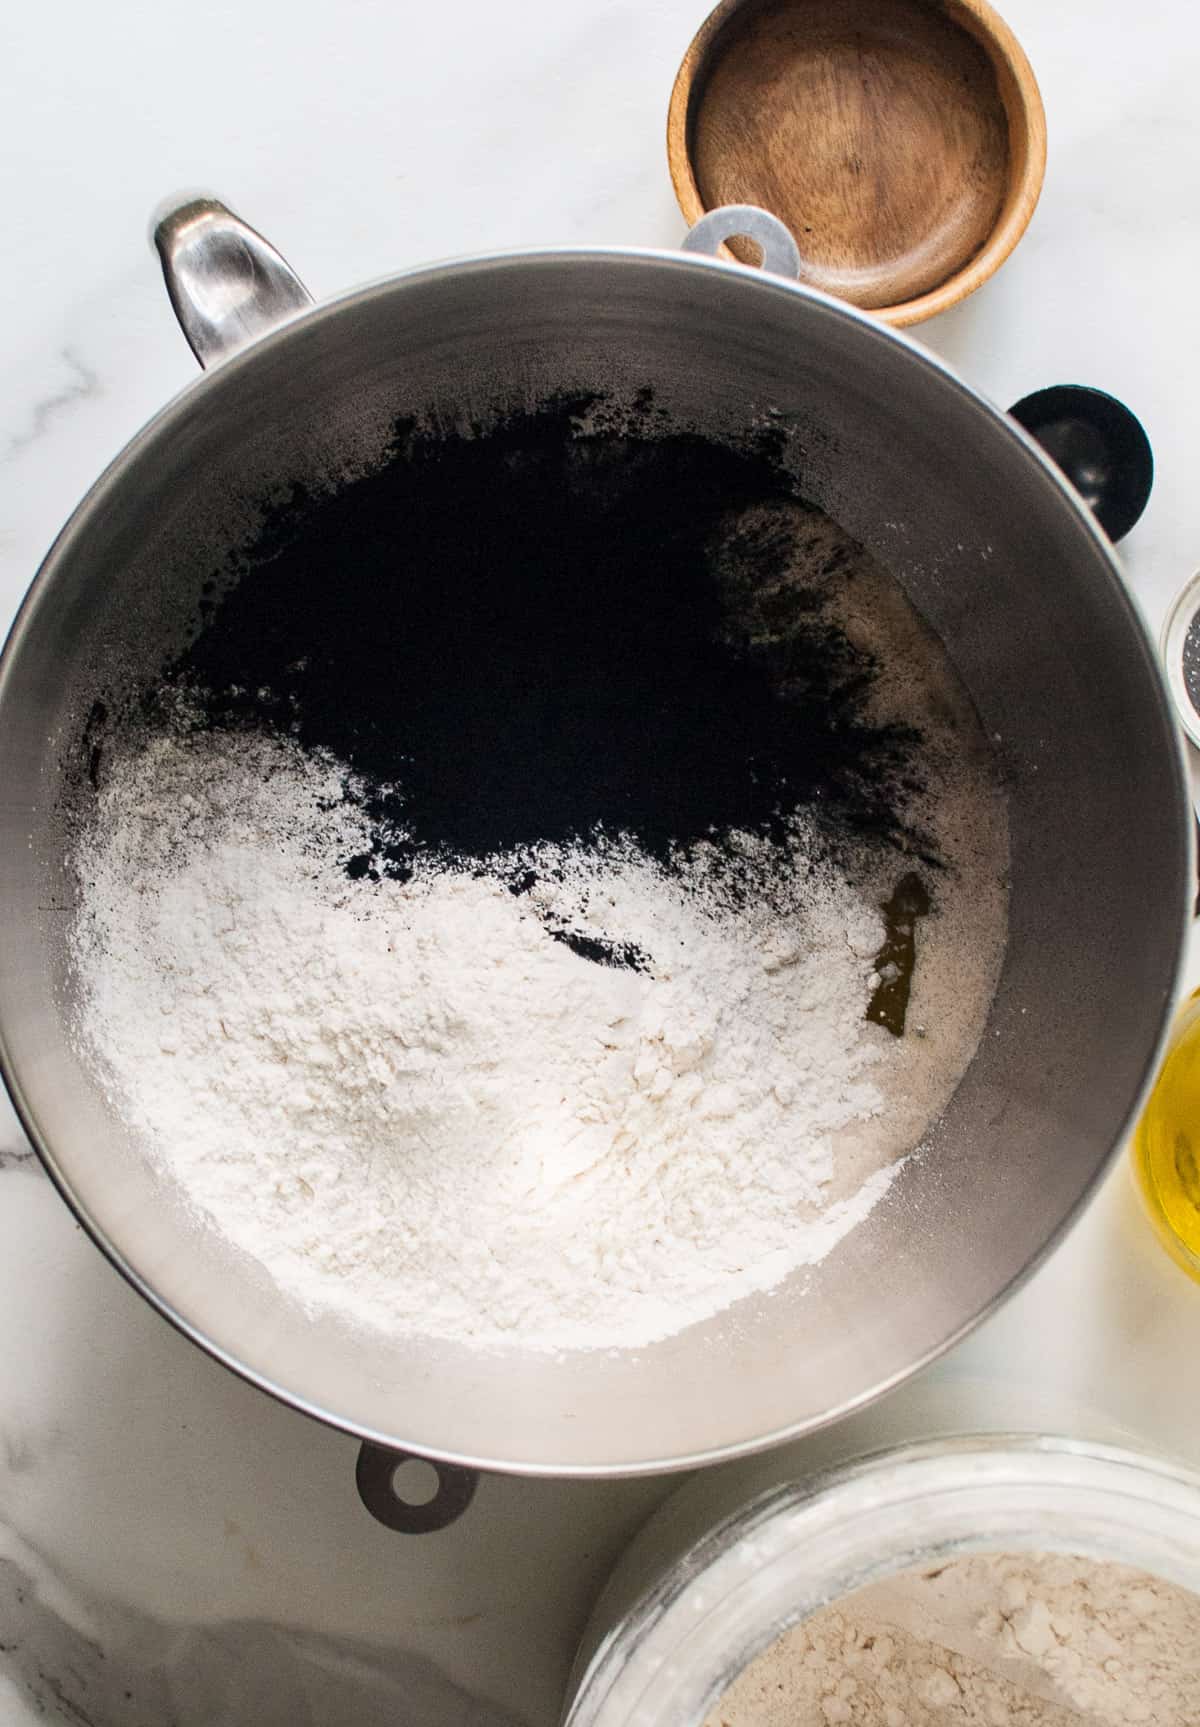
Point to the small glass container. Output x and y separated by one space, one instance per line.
1180 647
682 1616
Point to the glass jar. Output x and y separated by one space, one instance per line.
1166 1144
683 1616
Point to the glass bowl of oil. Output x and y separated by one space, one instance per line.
1166 1144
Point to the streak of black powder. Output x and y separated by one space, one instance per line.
531 634
619 953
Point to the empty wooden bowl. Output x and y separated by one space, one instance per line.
903 142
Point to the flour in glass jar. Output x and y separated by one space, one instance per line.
984 1640
585 1076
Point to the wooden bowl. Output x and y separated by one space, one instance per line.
903 142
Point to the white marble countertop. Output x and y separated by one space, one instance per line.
163 1512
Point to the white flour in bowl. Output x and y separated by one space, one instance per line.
414 1103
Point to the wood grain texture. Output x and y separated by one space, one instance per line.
902 141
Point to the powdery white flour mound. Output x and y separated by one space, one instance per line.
989 1640
414 1104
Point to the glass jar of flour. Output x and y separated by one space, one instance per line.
737 1556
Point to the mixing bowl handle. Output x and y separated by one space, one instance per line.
1099 444
375 1478
227 284
780 253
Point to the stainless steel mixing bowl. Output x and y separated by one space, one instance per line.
1003 561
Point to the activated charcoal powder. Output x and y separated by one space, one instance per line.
573 622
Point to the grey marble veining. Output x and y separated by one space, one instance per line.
80 384
15 1150
14 1147
90 1664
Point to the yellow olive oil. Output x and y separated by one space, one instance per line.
1166 1145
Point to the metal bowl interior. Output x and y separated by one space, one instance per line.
1003 563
